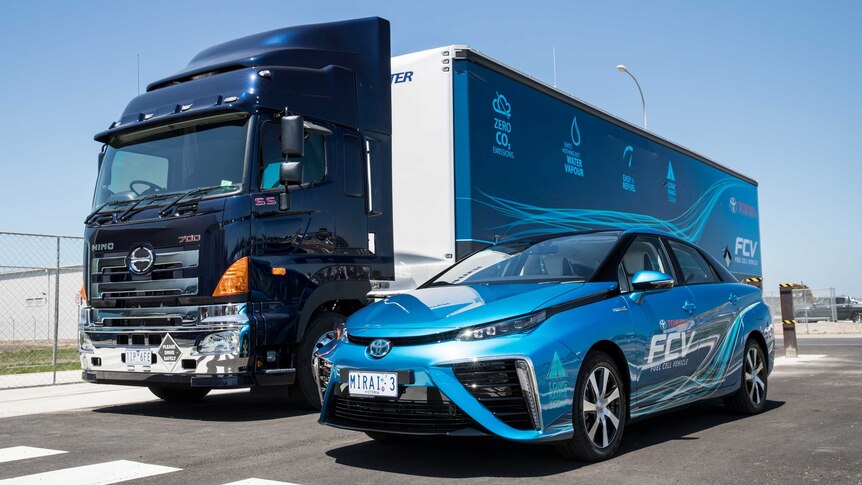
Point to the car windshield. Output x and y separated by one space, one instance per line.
564 258
175 159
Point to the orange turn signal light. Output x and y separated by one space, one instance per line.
83 294
234 281
279 271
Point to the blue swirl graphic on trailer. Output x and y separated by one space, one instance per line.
689 225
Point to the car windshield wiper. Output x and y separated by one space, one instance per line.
167 209
126 213
98 210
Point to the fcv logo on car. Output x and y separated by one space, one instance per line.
379 348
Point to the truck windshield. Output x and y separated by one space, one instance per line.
173 160
539 260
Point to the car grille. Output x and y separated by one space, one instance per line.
174 274
495 384
403 341
410 416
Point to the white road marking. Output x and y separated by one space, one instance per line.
98 474
24 452
258 481
802 359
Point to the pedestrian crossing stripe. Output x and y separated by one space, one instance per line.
98 474
25 452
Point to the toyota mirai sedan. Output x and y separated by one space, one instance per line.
558 339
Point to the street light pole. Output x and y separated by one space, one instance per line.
622 68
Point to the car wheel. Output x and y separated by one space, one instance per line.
857 317
179 394
600 409
321 330
751 396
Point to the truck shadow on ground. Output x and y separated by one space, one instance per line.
480 457
232 407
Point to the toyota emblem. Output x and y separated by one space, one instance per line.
379 348
140 260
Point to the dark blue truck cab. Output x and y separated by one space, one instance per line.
242 210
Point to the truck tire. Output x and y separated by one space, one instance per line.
180 394
321 330
751 396
596 437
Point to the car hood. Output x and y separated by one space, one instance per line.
434 310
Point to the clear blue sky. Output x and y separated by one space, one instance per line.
771 89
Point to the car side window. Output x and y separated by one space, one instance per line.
313 163
644 254
695 269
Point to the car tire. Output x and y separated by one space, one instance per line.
751 396
180 394
595 436
857 317
304 392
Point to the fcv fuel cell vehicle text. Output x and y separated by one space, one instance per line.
556 338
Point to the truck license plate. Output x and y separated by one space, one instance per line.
361 383
139 357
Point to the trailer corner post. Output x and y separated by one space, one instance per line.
788 324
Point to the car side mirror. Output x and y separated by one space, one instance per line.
292 136
289 173
651 281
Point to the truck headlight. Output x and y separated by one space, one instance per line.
226 342
503 327
85 344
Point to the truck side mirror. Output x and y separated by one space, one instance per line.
290 173
292 136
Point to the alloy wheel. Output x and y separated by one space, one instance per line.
754 375
601 407
322 341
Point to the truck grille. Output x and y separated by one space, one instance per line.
174 274
410 416
495 384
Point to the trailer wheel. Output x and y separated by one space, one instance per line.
321 330
179 394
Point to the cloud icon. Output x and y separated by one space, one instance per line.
502 106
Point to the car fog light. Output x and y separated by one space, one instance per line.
525 378
220 343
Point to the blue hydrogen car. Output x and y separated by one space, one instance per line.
556 338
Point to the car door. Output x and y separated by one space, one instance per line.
711 333
661 319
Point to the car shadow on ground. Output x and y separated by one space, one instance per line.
481 457
232 407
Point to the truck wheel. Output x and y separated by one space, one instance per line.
751 396
600 410
179 394
321 330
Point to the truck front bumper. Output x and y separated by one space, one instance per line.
174 350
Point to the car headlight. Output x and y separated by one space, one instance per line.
220 343
503 327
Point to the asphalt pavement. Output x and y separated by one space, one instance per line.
811 432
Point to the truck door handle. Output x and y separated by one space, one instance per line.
733 299
689 307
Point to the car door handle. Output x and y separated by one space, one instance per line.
689 307
733 299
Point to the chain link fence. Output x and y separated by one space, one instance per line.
812 305
40 284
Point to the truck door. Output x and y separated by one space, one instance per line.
307 226
351 223
661 321
717 305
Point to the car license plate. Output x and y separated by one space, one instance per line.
361 383
139 357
